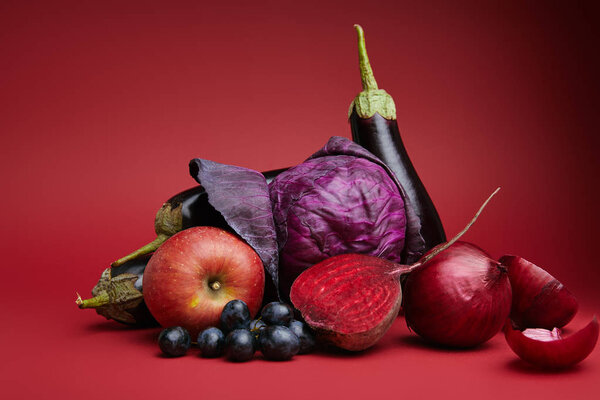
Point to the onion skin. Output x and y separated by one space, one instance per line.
553 354
539 300
459 298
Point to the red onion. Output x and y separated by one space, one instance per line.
460 298
548 349
539 300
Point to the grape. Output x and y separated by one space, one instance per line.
211 342
256 326
279 343
276 313
235 315
239 345
305 335
174 341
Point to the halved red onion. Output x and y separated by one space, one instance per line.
549 349
539 300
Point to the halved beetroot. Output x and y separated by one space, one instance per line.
350 300
539 300
548 349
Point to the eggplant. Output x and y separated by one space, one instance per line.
118 295
185 210
372 117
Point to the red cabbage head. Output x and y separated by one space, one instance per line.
341 200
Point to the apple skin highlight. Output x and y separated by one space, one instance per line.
191 277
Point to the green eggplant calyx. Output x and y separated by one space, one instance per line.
372 99
112 297
371 102
168 221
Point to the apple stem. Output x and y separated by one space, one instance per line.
216 285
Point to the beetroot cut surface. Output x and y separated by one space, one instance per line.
350 300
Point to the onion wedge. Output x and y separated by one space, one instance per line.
549 349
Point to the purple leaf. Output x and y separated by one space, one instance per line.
241 195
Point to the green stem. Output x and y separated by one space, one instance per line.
371 100
366 72
97 301
149 248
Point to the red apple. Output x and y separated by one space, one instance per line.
191 277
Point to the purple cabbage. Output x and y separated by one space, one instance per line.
342 199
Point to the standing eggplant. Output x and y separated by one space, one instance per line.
118 294
184 210
372 118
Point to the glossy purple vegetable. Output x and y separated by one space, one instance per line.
185 210
118 294
341 200
373 122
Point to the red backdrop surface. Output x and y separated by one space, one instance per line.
103 103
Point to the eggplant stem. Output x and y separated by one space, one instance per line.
366 72
94 302
149 248
403 269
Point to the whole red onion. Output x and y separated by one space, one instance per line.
459 298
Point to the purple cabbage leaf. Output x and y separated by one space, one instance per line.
241 195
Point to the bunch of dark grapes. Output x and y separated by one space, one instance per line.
276 334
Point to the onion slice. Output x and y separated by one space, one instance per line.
549 349
538 299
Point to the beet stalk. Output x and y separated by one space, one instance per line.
372 118
184 210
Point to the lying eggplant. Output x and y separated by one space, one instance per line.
184 210
372 118
118 294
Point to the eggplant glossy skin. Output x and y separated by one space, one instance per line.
184 210
382 138
118 295
136 267
140 313
197 211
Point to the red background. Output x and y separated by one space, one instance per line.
103 103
